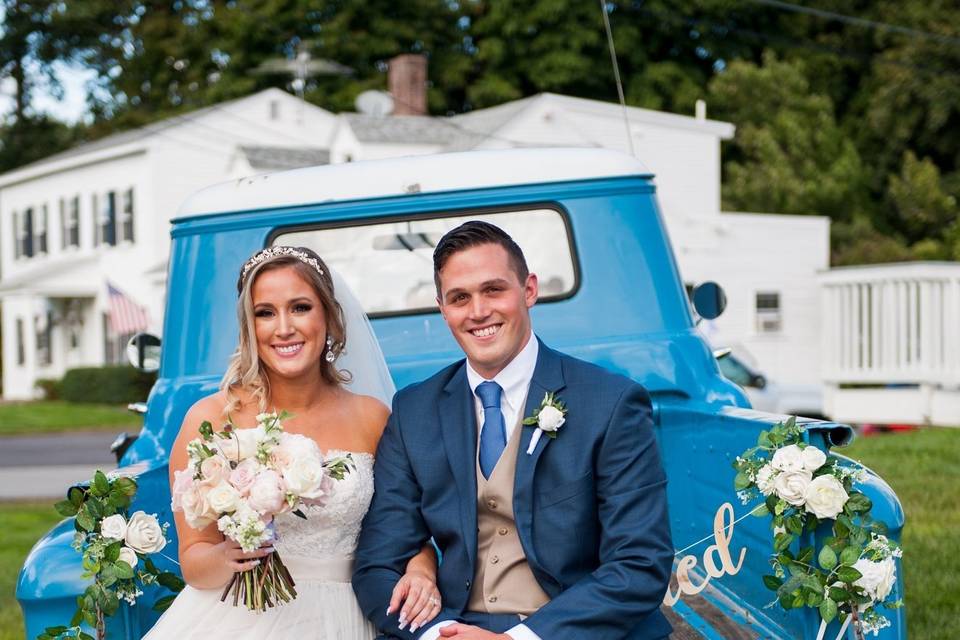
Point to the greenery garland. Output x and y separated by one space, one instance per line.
802 488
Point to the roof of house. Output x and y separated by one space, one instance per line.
404 129
432 173
283 158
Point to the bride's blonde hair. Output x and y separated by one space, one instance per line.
245 370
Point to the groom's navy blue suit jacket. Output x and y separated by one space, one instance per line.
590 505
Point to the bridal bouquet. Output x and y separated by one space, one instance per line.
241 479
803 488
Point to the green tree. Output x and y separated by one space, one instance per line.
789 154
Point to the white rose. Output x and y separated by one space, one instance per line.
305 476
812 458
113 527
241 444
223 498
878 577
765 480
825 497
789 458
196 508
129 556
144 534
791 486
550 418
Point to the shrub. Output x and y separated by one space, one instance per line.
109 385
50 387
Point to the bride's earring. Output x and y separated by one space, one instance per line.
331 356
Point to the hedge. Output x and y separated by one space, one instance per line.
108 385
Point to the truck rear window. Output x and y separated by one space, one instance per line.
389 265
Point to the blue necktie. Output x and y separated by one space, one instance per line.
493 434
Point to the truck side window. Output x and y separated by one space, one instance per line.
389 265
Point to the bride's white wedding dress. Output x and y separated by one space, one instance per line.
318 552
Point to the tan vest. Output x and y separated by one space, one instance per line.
503 581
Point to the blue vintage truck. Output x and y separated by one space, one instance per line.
590 226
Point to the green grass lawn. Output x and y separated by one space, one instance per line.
923 467
22 524
51 416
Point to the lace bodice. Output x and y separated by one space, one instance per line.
331 530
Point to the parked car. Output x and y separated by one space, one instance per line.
769 395
591 228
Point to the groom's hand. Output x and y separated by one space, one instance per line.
469 632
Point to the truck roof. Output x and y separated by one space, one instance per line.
411 175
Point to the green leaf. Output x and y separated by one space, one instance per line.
75 496
171 581
760 510
827 558
782 541
859 503
126 486
66 508
150 566
85 636
814 598
112 552
763 440
828 610
123 570
848 574
85 520
78 614
90 617
741 481
839 595
850 555
772 582
163 603
806 555
101 486
795 524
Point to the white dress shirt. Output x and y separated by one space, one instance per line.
514 379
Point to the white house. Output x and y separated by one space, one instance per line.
98 215
60 257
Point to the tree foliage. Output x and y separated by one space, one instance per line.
845 108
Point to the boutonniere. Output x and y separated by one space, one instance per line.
549 417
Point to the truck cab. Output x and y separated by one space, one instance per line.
610 293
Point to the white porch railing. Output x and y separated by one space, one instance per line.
891 342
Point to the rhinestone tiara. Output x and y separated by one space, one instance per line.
273 252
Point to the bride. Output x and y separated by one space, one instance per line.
293 332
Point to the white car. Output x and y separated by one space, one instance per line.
771 397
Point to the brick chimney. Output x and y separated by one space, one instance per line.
407 83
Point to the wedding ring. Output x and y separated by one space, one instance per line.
433 600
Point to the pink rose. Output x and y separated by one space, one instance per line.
196 508
268 492
215 470
182 483
243 476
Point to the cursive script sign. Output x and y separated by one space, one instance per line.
716 559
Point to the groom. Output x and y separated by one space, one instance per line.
564 538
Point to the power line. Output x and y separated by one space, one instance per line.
860 22
616 73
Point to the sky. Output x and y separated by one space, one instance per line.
73 106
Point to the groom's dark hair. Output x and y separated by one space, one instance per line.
473 234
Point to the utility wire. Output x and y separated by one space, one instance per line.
616 74
860 22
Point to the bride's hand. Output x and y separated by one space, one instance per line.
419 597
238 560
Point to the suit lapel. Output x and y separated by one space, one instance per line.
458 423
547 378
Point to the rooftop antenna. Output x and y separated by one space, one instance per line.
301 68
616 74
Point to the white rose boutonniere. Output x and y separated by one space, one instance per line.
549 417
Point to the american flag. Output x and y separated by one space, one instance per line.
126 316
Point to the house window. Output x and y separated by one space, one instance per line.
70 222
43 327
107 221
274 110
114 345
41 234
126 218
95 208
16 235
769 316
21 344
388 265
25 234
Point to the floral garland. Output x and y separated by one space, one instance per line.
116 549
802 488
